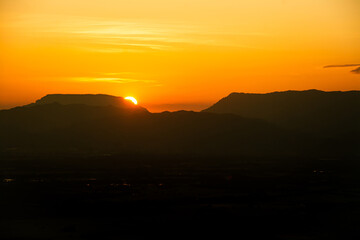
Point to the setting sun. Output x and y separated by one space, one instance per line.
132 99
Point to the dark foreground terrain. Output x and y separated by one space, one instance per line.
98 167
179 197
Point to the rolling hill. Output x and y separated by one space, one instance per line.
92 124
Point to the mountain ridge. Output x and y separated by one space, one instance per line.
312 110
96 100
38 128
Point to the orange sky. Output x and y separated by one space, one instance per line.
175 54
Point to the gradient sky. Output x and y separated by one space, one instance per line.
176 54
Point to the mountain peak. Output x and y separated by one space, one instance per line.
96 100
310 109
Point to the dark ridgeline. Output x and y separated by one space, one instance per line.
311 111
277 124
96 100
279 165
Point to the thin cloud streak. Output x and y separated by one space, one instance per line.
111 80
344 65
356 70
131 36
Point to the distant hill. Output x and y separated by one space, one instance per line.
88 99
81 125
311 111
92 130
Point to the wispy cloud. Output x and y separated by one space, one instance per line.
110 79
356 70
116 73
119 78
109 36
344 65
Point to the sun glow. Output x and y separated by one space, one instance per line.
132 99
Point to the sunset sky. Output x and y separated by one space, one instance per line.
176 54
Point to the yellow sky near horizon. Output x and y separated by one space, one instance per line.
175 54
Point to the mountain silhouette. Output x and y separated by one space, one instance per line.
310 111
93 129
88 99
99 124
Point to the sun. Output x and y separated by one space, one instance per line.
132 99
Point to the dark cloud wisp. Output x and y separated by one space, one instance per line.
344 65
356 70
